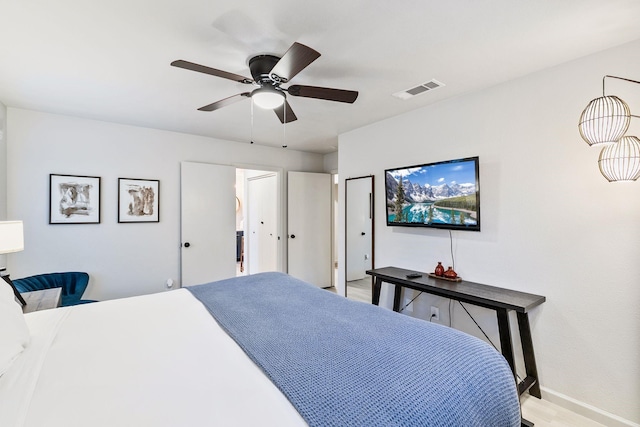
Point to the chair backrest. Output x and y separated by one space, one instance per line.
73 284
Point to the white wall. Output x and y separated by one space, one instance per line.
3 166
331 162
122 259
551 224
3 176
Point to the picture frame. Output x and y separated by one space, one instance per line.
74 199
138 200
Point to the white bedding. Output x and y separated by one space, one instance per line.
153 360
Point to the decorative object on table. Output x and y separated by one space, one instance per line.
450 273
11 240
604 122
74 199
439 270
138 200
72 283
456 279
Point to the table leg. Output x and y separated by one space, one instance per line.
375 299
397 293
506 347
527 352
525 423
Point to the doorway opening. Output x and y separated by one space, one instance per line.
359 239
258 221
334 228
215 204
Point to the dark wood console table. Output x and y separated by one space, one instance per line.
499 299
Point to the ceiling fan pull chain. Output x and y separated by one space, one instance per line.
251 135
284 127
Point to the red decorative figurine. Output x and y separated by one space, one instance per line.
439 270
450 274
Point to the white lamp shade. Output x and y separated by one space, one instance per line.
605 120
621 161
11 237
267 98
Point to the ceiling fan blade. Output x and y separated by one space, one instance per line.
327 93
224 102
280 112
296 59
211 71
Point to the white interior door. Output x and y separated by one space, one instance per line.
208 227
358 227
262 213
309 227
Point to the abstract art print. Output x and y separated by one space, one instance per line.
74 199
138 200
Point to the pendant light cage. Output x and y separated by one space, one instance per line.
621 161
605 120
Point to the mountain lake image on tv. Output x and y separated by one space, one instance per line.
439 195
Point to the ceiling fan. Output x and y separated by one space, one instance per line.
269 72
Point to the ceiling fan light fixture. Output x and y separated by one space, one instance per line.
267 97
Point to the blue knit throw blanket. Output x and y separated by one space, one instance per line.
345 363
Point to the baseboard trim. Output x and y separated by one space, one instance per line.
586 410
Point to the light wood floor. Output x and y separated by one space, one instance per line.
546 414
540 412
360 290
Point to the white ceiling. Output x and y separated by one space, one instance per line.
109 60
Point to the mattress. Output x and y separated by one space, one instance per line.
153 360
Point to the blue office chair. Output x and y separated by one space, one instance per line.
73 285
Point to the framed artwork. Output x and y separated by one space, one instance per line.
138 200
74 199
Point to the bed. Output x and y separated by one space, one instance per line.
265 350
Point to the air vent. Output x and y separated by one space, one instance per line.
424 87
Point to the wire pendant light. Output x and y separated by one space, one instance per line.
605 120
621 161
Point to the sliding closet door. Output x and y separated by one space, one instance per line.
208 222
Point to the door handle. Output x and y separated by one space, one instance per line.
363 233
187 244
293 236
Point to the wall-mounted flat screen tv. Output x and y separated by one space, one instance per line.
438 195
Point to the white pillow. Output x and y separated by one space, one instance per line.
14 333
